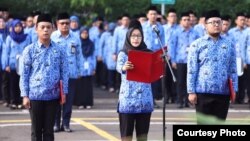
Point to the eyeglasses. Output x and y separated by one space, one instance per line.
62 23
215 23
136 36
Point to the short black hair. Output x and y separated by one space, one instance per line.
184 14
226 17
152 7
171 10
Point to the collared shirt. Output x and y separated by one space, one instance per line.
1 47
43 68
33 35
150 37
240 42
210 64
169 31
106 50
12 50
119 38
180 43
72 45
134 97
247 49
200 29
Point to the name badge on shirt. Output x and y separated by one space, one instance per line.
156 41
86 65
73 49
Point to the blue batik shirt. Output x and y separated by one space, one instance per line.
134 97
210 65
150 37
180 43
119 38
12 50
169 31
43 68
72 45
240 42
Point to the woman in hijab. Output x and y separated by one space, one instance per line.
16 41
135 103
75 25
84 94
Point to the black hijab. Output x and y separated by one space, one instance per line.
128 46
87 45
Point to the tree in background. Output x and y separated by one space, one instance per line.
111 9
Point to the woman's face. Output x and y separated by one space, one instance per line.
136 38
18 28
84 35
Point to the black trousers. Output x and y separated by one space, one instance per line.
42 114
242 86
248 82
170 85
65 111
214 105
182 83
139 121
15 97
6 86
111 78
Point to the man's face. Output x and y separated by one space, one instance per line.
152 15
29 21
213 26
63 25
44 30
171 18
240 21
193 19
2 23
125 21
225 26
185 21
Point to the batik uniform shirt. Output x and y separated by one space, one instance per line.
72 46
43 68
210 65
134 97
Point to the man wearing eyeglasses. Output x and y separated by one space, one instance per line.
211 62
72 45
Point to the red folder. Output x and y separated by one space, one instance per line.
231 90
148 66
61 92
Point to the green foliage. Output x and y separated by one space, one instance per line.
111 9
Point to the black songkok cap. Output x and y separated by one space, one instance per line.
62 16
44 18
211 14
135 24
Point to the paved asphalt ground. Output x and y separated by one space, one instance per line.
101 122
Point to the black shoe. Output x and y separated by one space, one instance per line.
66 129
56 129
